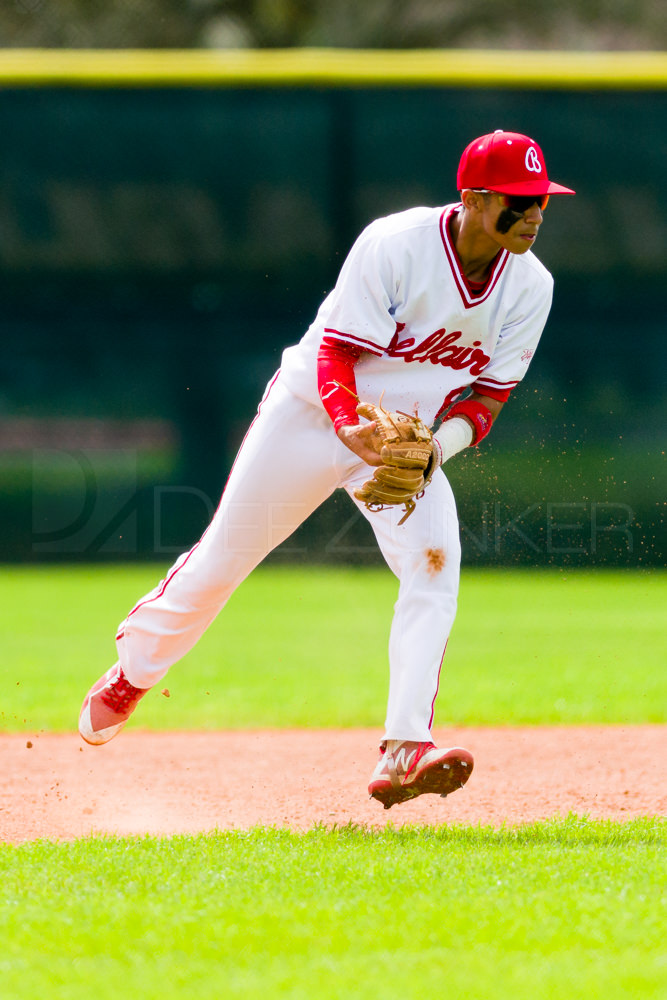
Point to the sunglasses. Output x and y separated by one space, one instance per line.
519 203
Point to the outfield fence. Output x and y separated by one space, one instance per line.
169 221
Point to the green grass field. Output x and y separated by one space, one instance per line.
563 910
298 647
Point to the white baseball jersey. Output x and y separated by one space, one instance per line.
401 296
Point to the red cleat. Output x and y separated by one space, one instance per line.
107 706
416 769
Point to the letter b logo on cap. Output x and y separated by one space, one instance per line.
533 161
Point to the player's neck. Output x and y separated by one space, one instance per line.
475 250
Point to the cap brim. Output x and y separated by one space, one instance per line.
534 187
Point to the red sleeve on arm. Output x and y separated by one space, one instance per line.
335 364
502 395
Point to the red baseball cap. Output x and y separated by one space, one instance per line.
507 162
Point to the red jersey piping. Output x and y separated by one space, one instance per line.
469 300
366 345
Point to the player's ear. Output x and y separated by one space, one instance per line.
472 200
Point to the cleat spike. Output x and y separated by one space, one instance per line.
415 768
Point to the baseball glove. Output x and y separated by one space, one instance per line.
404 444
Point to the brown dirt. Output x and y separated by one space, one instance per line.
54 786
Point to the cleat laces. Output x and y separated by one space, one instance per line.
121 695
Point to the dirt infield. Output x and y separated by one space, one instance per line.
54 786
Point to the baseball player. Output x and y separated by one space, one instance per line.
437 312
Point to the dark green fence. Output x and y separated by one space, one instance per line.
159 248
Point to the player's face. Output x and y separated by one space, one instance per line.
513 222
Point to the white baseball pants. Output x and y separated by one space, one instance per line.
290 461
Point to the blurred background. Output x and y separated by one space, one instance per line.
162 242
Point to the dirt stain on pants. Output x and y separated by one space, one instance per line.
435 561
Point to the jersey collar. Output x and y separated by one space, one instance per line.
469 300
